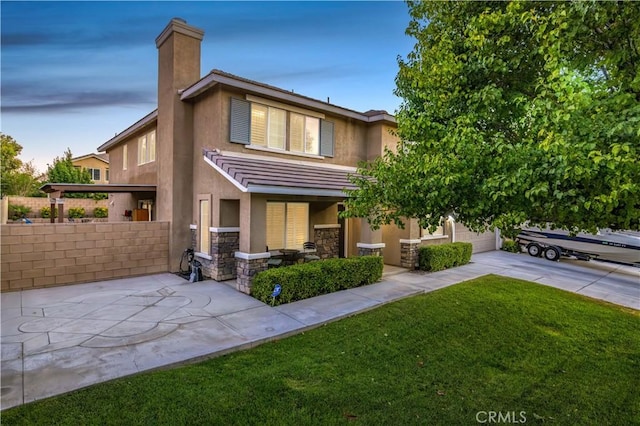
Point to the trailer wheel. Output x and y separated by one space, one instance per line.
534 250
552 253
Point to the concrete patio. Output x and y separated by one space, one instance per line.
60 339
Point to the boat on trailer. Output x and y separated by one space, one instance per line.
610 246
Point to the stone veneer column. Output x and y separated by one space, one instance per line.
327 239
409 251
247 266
365 249
225 242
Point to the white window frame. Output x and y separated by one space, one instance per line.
92 172
269 127
147 148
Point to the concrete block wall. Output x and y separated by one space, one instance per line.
47 255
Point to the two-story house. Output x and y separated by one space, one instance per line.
243 168
96 164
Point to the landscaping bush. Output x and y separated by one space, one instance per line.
312 279
18 211
101 212
511 246
45 212
76 212
437 258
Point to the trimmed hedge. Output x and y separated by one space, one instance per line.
307 280
437 258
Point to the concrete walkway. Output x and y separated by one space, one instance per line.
60 339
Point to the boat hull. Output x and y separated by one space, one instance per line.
619 247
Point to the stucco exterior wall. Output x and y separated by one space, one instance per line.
46 255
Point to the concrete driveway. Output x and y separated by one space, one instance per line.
60 339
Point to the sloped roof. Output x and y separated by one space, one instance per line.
269 175
101 157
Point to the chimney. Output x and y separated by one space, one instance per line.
178 68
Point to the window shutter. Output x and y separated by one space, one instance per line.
326 138
240 121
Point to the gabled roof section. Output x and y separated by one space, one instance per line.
269 175
140 124
102 157
216 77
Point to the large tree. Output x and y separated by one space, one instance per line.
514 112
18 178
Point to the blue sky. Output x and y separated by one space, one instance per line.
75 73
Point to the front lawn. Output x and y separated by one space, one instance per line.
521 350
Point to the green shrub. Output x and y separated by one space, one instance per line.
437 258
76 212
312 279
511 246
101 212
18 211
45 212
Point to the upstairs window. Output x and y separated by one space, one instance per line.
268 126
281 127
125 157
147 148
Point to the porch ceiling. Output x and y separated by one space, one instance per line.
268 175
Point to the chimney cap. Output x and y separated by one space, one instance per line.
180 26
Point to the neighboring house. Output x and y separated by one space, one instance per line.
243 168
96 164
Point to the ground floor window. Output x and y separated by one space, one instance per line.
204 227
439 232
287 225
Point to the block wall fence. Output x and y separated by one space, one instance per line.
36 203
46 255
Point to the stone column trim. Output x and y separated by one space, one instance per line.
371 246
192 226
227 229
416 241
252 256
327 226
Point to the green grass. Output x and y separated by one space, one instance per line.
491 344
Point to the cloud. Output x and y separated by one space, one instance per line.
28 101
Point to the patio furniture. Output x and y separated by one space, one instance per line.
290 256
308 249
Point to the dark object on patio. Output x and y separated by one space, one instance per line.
190 269
310 247
274 262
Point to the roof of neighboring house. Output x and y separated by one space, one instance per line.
269 175
218 77
100 156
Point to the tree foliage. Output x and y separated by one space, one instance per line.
18 178
63 171
514 112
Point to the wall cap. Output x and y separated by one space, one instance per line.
192 226
327 226
203 255
434 237
371 246
251 256
418 241
225 229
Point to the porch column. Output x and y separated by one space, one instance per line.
327 239
409 253
225 242
247 266
370 241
